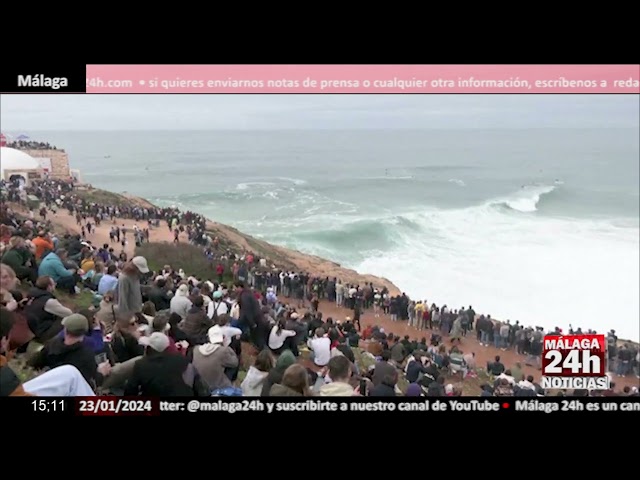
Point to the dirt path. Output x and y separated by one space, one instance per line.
100 235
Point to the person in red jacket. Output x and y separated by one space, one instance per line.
220 272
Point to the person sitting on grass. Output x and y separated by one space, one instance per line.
217 364
125 341
387 387
281 339
53 266
107 312
63 381
93 338
320 347
20 258
160 323
295 383
43 310
160 373
8 284
339 374
495 368
285 360
382 368
71 350
257 374
232 335
457 363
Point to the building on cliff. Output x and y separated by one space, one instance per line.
53 162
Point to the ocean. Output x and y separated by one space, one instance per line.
536 225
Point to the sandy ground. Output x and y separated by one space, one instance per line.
483 354
100 235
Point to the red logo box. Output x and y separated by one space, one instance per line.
574 356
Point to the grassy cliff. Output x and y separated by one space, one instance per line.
238 242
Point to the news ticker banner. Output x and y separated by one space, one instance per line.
325 79
139 406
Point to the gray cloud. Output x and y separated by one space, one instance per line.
204 112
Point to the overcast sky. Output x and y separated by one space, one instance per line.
204 112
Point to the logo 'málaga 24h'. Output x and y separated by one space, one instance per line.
575 362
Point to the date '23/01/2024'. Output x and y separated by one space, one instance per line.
114 406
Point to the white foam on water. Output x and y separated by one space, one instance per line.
248 185
295 181
270 194
500 257
390 177
541 271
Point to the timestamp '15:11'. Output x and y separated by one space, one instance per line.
48 405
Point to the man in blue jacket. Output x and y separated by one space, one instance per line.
52 266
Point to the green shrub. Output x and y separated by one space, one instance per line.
103 197
184 255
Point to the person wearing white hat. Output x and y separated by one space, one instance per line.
141 264
215 362
180 302
129 291
160 373
157 341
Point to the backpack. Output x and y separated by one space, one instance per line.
215 310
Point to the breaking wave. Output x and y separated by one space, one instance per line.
526 200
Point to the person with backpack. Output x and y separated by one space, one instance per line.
217 307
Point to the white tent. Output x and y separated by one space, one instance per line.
17 161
